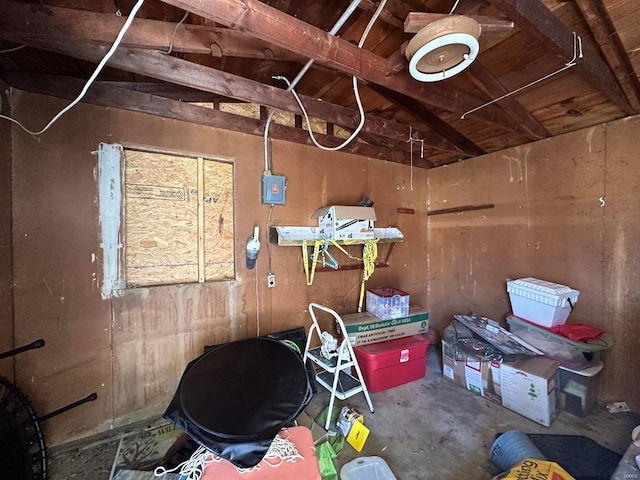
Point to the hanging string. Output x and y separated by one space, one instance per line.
577 53
454 6
410 141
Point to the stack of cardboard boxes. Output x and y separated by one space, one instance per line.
527 385
390 350
532 387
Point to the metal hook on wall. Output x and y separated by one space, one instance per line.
577 53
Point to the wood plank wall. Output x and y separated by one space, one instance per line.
6 253
133 349
566 210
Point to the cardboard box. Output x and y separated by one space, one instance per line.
363 328
340 222
318 433
528 387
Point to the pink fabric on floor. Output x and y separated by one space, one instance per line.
305 468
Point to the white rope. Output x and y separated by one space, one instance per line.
191 469
356 93
14 49
280 451
93 76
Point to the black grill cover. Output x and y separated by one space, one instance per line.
236 397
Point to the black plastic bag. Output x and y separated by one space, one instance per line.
235 398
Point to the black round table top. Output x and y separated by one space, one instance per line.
243 389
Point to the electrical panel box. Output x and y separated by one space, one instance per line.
273 189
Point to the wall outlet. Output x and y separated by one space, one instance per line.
617 407
271 280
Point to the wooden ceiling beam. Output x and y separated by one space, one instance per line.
597 17
107 95
181 72
432 120
415 21
274 26
58 23
534 17
486 82
173 91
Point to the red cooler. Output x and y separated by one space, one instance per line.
389 364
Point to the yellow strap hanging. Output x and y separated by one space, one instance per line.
305 260
344 251
369 257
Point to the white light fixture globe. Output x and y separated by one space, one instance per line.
443 48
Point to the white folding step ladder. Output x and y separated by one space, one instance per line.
333 376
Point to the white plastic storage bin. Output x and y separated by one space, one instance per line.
387 303
544 303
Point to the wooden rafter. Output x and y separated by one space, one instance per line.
432 120
276 27
110 96
597 17
170 90
485 81
171 69
534 17
57 23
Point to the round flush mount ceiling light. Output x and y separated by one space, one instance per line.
443 48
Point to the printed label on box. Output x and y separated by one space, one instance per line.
404 355
448 371
473 375
388 334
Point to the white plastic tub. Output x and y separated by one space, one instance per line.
366 468
541 302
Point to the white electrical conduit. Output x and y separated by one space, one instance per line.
292 85
337 26
93 76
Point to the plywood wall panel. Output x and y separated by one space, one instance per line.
565 210
56 263
6 250
622 261
161 218
150 334
219 221
547 222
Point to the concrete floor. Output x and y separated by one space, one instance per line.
427 429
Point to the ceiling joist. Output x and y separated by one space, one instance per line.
274 26
171 69
486 82
107 95
534 17
65 24
431 119
597 17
